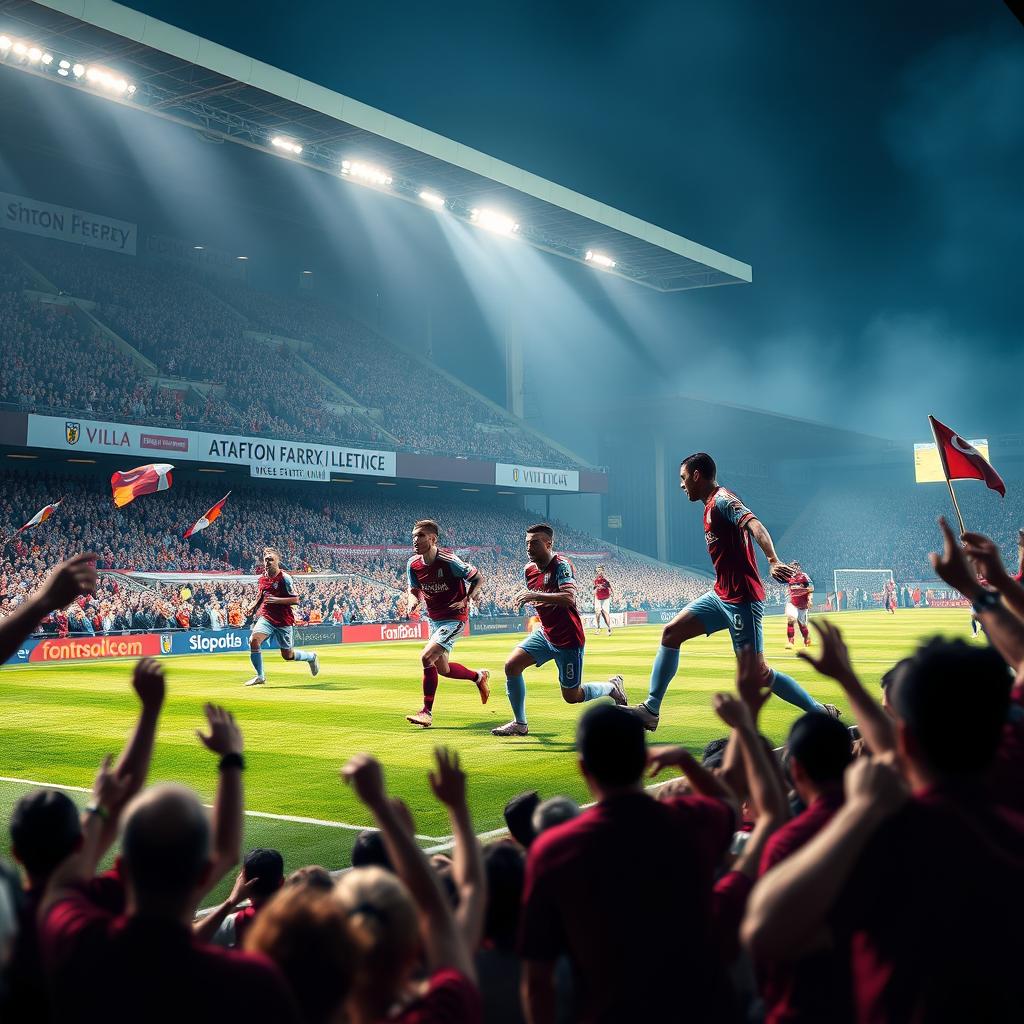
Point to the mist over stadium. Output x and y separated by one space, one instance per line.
315 327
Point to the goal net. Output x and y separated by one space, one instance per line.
861 588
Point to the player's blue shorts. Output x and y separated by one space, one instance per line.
282 634
568 659
742 620
444 632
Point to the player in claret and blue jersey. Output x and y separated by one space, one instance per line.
736 602
444 584
551 589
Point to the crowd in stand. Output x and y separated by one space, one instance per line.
193 327
868 879
315 533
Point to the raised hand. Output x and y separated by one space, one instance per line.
952 565
834 658
732 711
109 787
365 775
449 781
660 758
148 682
242 889
225 736
751 682
985 555
876 781
71 579
780 571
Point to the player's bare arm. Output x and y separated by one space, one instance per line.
762 538
412 601
562 598
472 589
270 599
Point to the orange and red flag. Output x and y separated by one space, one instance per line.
149 479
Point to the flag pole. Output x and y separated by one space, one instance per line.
945 472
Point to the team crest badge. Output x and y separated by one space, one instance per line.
72 431
165 643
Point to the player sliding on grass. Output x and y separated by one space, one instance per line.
276 607
737 601
444 584
551 589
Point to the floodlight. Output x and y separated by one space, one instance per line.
600 259
79 70
491 220
20 49
65 64
286 144
365 172
5 43
433 198
34 53
47 58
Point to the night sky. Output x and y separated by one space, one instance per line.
866 158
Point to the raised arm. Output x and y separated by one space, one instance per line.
71 579
701 780
449 785
441 937
985 555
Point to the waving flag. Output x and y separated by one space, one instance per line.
961 460
141 480
41 516
204 522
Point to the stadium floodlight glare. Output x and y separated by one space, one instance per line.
432 198
47 58
198 247
5 43
491 220
105 79
79 70
365 172
241 257
20 49
600 259
34 54
286 144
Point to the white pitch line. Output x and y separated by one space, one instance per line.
297 819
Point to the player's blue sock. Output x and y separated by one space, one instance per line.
591 691
256 657
666 664
792 692
515 687
303 655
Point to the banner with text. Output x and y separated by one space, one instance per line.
36 218
266 457
528 477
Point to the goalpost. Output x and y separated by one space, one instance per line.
858 582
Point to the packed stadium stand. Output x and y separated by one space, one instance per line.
164 344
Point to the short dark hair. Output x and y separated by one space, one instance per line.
369 850
505 867
267 866
519 817
166 841
714 753
821 745
610 743
953 699
45 830
701 462
427 524
542 528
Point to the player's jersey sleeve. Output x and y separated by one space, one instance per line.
732 509
414 584
565 578
289 585
461 570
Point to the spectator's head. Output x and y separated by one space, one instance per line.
539 540
888 678
611 749
369 851
271 561
266 869
519 817
820 750
312 877
714 753
165 849
556 810
45 830
308 935
383 917
950 702
698 475
505 866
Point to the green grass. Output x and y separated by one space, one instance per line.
59 721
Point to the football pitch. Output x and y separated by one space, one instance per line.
60 720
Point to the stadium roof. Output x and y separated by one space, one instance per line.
191 80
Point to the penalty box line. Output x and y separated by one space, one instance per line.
292 818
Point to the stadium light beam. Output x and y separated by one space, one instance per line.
492 220
286 144
366 173
599 259
432 198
